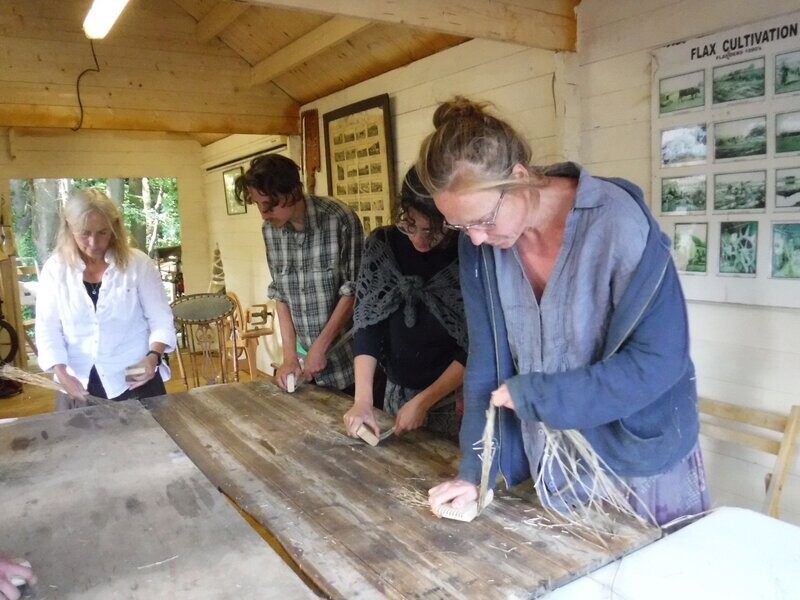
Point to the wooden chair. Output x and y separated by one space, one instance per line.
751 427
205 318
249 326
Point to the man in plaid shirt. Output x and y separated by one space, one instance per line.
313 251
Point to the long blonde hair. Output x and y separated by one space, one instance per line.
472 150
80 205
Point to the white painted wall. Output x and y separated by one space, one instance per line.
743 354
239 236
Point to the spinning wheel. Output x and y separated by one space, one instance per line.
249 325
9 342
9 345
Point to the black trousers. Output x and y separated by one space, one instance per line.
154 387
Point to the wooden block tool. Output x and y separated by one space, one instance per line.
466 513
365 433
16 580
134 371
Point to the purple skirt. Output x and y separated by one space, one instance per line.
679 492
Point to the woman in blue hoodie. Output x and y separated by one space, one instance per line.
575 315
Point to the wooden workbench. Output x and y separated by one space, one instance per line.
353 516
105 505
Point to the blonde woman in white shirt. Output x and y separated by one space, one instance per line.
101 308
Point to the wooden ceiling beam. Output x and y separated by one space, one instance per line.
303 48
547 24
223 14
19 115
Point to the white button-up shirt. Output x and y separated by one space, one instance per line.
132 313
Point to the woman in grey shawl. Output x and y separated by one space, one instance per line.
409 318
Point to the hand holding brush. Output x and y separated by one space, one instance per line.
74 391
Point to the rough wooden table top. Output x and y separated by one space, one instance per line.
354 517
104 505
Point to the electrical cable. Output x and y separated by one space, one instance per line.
96 69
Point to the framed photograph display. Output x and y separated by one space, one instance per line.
787 72
738 247
683 145
787 188
740 138
786 250
725 147
232 205
739 81
787 132
683 194
681 92
740 191
360 164
690 247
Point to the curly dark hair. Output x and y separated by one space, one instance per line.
414 195
274 176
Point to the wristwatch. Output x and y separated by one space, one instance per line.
158 356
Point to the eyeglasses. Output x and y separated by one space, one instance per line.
409 228
480 225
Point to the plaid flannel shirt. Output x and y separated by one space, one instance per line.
311 269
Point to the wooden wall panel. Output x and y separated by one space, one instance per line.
154 74
619 108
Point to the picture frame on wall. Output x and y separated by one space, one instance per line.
739 81
232 205
690 247
787 72
683 145
745 191
683 194
786 250
787 188
681 92
360 160
787 132
738 247
740 138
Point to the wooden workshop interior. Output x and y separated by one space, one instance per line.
192 90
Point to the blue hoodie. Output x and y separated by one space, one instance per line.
637 406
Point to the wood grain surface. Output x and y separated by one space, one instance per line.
354 516
104 505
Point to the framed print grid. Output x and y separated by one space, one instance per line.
358 148
726 161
